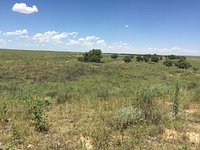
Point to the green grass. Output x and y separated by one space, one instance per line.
84 99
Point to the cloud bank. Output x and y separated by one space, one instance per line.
23 8
53 36
21 33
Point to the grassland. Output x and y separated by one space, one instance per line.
49 100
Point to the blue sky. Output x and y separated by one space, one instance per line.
126 26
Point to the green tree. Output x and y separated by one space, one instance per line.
154 58
94 55
139 58
127 59
146 58
114 56
183 64
168 63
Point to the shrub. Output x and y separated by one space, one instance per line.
145 102
114 56
192 85
94 55
146 58
81 59
154 58
183 64
38 116
102 93
175 107
127 59
126 116
168 63
139 58
172 57
132 56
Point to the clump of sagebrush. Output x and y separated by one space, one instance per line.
139 58
183 64
125 117
127 59
168 63
114 56
145 102
102 92
94 55
176 105
38 116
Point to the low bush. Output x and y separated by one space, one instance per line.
38 116
154 58
139 58
168 63
145 101
126 116
102 92
94 55
183 64
192 85
114 56
127 59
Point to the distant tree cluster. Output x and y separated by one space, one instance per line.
175 57
148 58
95 55
178 61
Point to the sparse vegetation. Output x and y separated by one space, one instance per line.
50 100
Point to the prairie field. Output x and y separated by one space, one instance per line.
50 100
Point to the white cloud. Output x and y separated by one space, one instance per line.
91 42
120 47
176 48
87 42
0 32
2 43
21 33
53 36
168 51
23 8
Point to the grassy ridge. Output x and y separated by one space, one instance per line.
90 105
